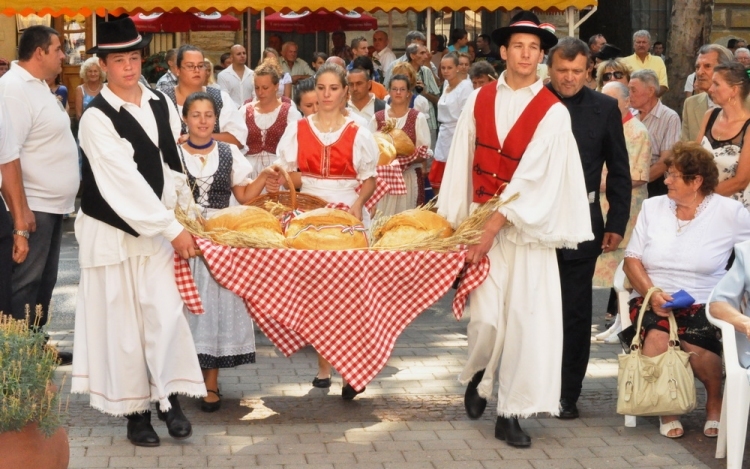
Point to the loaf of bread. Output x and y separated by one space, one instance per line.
245 219
401 142
326 229
387 150
409 226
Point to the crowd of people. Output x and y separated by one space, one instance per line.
591 167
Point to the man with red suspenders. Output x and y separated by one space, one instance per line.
518 142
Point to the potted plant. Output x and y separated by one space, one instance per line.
29 413
154 66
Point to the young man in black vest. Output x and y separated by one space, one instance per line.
133 344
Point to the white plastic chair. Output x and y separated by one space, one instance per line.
622 288
730 443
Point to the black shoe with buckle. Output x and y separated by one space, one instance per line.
140 431
473 402
508 430
348 392
568 409
178 425
211 406
321 382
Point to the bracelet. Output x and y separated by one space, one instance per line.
24 233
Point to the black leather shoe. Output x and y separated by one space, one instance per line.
178 425
140 431
321 382
348 393
568 409
211 406
508 430
64 358
473 402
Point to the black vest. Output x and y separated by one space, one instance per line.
147 157
220 185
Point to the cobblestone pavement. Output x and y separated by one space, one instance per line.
411 415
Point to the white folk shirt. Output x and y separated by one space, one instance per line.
46 147
367 111
8 145
239 89
125 189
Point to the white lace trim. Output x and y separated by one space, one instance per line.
633 255
701 208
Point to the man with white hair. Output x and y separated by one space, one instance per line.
642 59
383 56
743 56
663 125
695 107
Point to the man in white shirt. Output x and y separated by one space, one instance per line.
13 246
237 80
133 343
48 157
297 68
383 56
362 102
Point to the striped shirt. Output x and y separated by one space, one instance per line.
664 128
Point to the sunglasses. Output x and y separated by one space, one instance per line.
609 75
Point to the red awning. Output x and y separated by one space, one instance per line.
179 22
323 21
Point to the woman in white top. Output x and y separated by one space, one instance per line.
215 171
266 118
354 157
683 241
450 105
191 74
285 82
414 124
420 103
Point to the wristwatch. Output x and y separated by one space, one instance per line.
24 233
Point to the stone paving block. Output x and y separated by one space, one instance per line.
598 432
431 445
627 440
515 453
110 450
686 459
201 450
457 464
228 440
209 429
249 430
564 453
251 449
383 456
555 464
77 452
386 426
458 434
430 425
414 435
361 447
603 422
561 423
91 441
340 427
469 424
363 436
163 450
651 460
274 439
301 448
84 462
398 445
609 463
665 447
331 458
611 451
422 456
549 432
295 459
408 465
475 454
581 442
134 461
374 465
232 461
79 432
505 464
488 442
183 461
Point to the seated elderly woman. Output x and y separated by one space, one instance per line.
612 70
683 241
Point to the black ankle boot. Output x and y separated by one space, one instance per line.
140 431
178 425
509 430
473 402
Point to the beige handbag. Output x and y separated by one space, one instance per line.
653 386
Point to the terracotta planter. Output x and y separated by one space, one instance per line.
29 448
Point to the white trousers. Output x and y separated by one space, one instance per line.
515 331
132 342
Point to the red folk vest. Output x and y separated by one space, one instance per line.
410 126
494 164
256 141
334 161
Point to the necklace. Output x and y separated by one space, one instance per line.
200 147
90 91
680 226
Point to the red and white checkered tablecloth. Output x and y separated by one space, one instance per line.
350 305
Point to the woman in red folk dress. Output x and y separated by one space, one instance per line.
351 156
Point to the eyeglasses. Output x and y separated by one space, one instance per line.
399 90
668 174
617 76
193 67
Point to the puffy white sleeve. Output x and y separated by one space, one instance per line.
287 148
241 168
373 125
423 132
118 179
293 115
422 105
231 120
366 154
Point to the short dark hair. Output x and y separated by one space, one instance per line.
361 70
33 37
692 160
302 88
732 43
364 63
186 48
485 38
658 43
197 96
457 34
481 68
224 57
569 48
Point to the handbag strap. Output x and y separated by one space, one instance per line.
673 339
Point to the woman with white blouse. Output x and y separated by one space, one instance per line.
683 241
414 124
353 159
215 172
266 118
191 75
450 105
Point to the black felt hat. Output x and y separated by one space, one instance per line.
608 52
118 36
526 22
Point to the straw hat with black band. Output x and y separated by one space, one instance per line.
528 23
118 36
